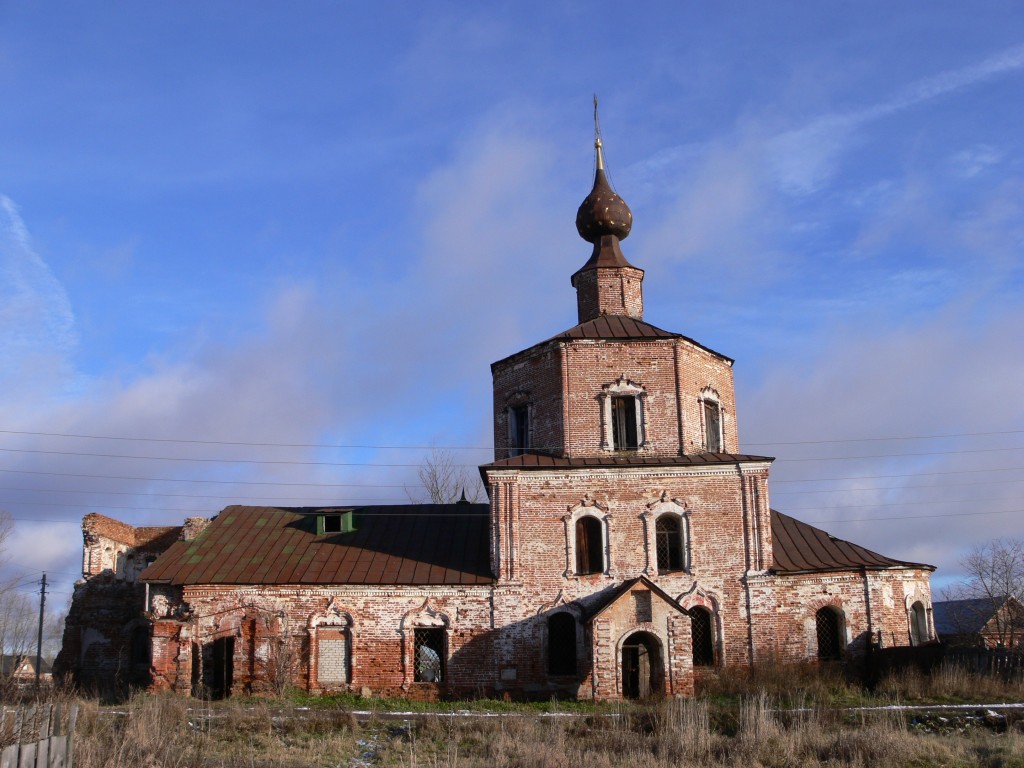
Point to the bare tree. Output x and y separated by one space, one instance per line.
993 588
443 480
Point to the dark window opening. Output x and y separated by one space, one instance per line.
713 426
562 644
332 523
589 557
520 431
668 534
918 624
140 647
829 629
428 649
703 637
624 423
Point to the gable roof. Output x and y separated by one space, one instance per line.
965 617
594 610
613 328
394 544
801 548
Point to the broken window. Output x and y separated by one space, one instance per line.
519 429
703 637
589 555
332 655
624 423
428 650
829 630
669 538
712 426
562 644
918 624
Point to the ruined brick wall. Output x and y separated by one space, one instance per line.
106 619
378 625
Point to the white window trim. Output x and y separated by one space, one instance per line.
587 507
622 387
665 506
710 395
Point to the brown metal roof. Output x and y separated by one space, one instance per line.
614 328
401 544
543 461
799 548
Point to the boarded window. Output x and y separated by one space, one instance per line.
562 644
428 649
519 429
829 630
624 423
589 557
713 426
668 534
703 637
331 656
642 605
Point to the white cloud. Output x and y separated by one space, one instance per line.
805 158
37 325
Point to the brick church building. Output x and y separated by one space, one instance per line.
627 547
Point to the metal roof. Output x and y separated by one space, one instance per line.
801 548
400 544
964 617
613 328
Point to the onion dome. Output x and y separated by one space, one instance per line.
603 212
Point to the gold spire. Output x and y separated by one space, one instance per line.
597 138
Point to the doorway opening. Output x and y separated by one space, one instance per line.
642 666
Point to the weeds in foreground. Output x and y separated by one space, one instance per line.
768 718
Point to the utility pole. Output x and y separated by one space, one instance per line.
39 640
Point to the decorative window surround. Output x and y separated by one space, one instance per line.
664 505
623 387
710 400
592 508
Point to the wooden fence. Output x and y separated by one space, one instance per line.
38 737
992 662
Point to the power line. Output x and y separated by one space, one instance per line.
291 462
878 477
895 487
918 517
369 446
200 480
881 439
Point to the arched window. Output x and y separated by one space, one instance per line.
519 429
562 644
702 630
668 534
589 545
828 624
918 624
429 654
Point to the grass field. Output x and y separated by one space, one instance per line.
776 716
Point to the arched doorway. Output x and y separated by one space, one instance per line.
918 624
641 666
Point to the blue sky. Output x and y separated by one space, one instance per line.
317 223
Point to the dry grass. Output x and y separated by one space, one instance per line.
770 717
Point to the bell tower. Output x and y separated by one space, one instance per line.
607 284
